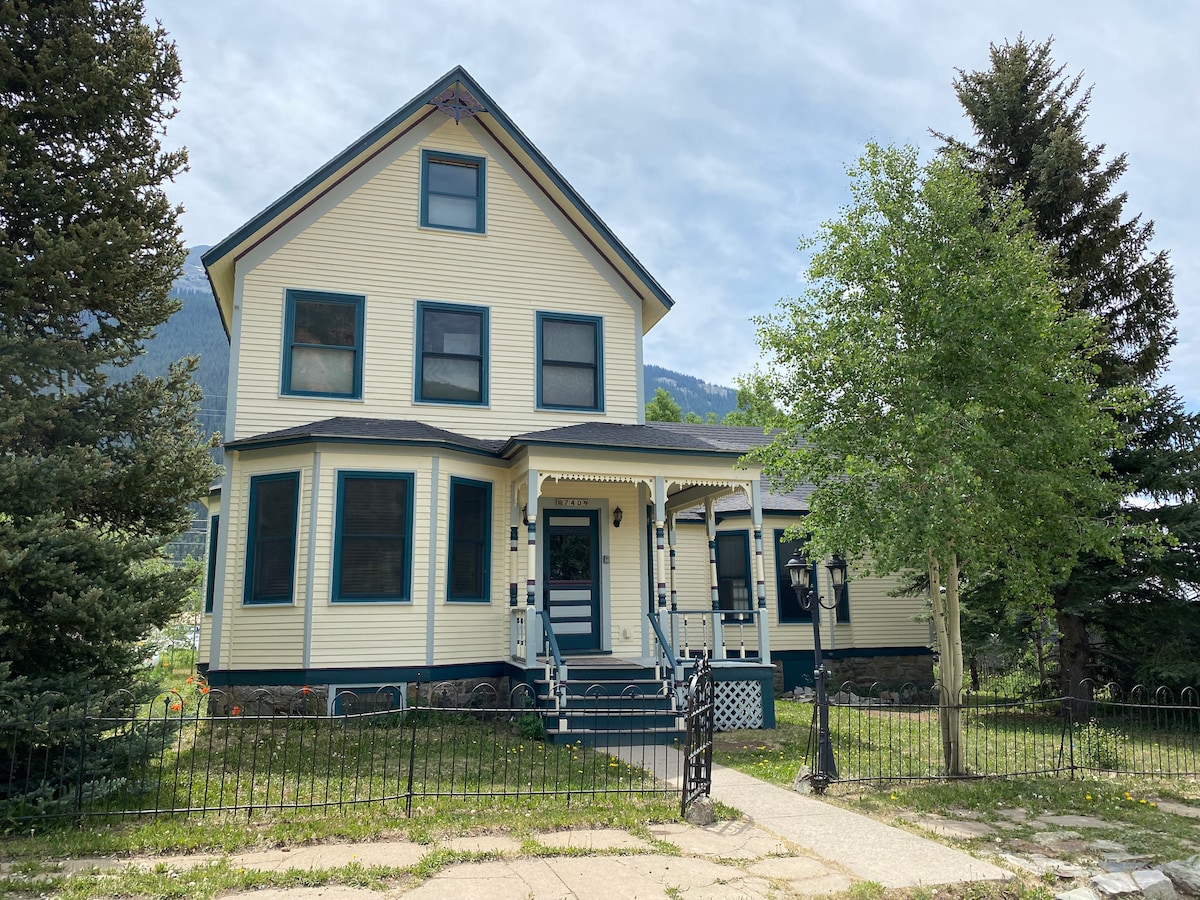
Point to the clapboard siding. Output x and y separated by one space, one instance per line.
876 619
370 243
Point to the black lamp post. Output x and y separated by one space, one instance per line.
803 575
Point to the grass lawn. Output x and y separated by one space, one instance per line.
1139 812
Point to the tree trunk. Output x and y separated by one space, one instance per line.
1074 661
949 640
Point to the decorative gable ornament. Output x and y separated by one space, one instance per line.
456 101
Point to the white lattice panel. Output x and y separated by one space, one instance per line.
739 705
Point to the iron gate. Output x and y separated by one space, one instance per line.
698 745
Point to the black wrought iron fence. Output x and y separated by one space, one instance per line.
200 751
882 735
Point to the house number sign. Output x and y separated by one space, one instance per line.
570 503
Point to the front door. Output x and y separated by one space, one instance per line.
571 575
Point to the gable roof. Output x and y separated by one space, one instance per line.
219 259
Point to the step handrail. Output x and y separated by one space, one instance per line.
673 678
559 675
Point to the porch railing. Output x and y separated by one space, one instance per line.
720 633
518 633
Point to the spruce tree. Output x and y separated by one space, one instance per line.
1028 119
97 470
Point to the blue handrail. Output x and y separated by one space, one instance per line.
551 640
662 638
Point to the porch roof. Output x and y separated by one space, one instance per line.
654 437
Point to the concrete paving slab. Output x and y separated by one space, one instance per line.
328 892
1179 809
332 856
724 840
691 877
1073 821
480 843
500 880
593 839
966 831
1013 815
803 875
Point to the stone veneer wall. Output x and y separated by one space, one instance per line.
314 699
890 671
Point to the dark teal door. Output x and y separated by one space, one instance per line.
571 576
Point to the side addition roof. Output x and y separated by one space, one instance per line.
220 259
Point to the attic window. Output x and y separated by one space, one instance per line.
452 191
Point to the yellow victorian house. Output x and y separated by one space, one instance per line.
437 464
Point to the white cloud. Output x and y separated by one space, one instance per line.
709 135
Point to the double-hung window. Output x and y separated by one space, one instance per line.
470 540
452 365
452 191
271 538
372 555
323 344
570 362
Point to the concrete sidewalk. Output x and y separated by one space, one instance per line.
854 843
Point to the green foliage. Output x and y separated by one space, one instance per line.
933 387
755 405
663 408
1138 606
531 726
1098 745
97 474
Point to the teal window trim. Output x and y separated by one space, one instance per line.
598 392
783 585
403 594
479 164
253 595
424 306
290 344
210 575
485 595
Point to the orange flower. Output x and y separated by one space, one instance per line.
204 688
237 711
176 706
191 678
306 690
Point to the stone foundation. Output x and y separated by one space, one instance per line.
283 700
889 672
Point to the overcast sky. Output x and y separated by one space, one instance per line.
709 135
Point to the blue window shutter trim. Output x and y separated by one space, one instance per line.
479 165
542 318
214 533
424 306
255 592
483 542
290 343
787 604
401 538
